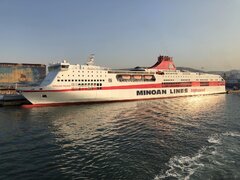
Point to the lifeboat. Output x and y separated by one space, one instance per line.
148 77
137 77
126 77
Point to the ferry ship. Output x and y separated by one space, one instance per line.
70 84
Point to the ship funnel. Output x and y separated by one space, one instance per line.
164 63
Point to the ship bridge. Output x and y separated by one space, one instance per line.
64 65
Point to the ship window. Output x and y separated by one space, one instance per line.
58 80
44 96
64 66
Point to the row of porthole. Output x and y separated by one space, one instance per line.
177 83
86 75
91 72
90 84
81 80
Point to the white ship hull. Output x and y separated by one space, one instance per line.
87 96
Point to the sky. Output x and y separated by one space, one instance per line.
202 34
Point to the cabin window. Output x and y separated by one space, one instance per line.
204 83
44 96
110 80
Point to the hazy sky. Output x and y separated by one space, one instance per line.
122 33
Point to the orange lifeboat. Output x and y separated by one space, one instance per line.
137 77
148 77
126 77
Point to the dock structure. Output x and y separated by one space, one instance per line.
13 75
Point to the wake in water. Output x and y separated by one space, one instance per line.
208 157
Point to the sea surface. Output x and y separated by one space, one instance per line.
179 138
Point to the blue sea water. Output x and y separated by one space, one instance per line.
180 138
